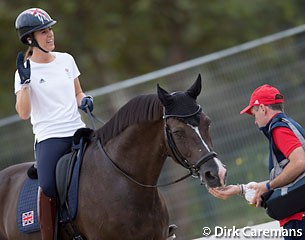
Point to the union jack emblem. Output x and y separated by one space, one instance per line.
27 218
40 14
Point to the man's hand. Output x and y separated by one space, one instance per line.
259 188
225 192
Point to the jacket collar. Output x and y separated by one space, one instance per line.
276 118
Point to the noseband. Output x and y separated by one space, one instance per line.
193 168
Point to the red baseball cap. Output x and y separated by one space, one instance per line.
266 95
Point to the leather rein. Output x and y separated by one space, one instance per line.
193 168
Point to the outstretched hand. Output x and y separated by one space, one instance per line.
225 192
24 72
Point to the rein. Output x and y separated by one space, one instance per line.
92 117
120 170
193 168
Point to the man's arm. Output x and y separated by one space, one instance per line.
293 169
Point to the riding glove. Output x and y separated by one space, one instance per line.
24 72
87 102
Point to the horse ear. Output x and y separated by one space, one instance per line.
165 97
195 89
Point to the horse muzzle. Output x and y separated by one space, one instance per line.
213 174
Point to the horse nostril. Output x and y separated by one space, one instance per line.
211 179
209 176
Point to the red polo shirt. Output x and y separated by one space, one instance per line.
286 141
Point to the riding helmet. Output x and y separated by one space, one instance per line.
32 20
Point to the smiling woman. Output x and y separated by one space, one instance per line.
45 39
48 91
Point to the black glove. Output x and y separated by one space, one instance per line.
24 72
87 102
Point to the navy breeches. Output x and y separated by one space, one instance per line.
48 152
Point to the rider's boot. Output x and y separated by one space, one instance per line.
47 216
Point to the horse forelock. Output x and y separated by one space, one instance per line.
138 110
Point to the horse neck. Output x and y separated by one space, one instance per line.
140 151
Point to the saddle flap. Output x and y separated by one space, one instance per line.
64 170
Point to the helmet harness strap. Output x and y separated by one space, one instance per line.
33 43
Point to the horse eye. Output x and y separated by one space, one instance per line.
178 134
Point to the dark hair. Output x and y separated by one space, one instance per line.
277 106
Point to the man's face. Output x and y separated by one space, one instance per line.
259 113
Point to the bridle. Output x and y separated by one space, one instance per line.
193 168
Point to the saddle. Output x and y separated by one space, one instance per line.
67 174
70 163
66 163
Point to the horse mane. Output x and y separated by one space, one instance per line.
139 109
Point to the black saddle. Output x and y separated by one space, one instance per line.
64 168
65 165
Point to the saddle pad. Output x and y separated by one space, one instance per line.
27 209
27 214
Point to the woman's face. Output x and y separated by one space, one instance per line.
45 39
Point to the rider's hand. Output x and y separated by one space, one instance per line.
87 102
24 72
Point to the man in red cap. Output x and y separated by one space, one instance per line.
287 155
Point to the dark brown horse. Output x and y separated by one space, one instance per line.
118 197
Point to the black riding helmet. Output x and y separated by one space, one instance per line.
29 21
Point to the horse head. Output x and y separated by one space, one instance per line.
187 135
